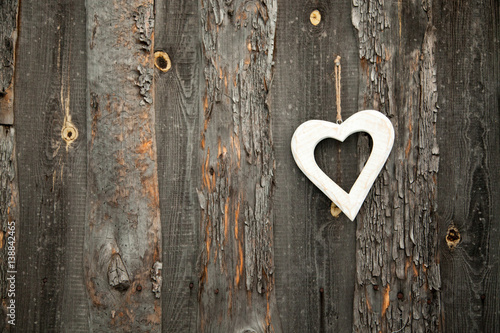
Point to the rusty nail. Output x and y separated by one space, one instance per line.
375 287
321 290
400 295
216 291
315 17
162 61
191 285
429 301
138 288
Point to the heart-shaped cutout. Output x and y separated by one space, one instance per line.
310 133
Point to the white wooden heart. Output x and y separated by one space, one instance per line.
310 133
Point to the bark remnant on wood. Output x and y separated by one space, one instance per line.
9 223
236 263
396 233
123 232
8 39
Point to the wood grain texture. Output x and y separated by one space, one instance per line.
309 134
247 243
177 106
50 93
123 234
314 252
236 265
9 223
8 38
397 269
468 76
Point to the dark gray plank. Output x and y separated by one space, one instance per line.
8 38
123 234
469 139
315 251
50 96
177 106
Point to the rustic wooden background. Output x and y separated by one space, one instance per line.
155 200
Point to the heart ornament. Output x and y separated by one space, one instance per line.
310 133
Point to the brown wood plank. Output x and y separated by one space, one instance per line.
468 58
178 105
314 251
123 234
50 95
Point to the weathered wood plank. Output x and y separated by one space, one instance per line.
8 39
397 270
50 94
123 234
236 267
468 79
9 225
178 105
314 252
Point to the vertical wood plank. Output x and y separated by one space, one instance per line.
9 195
123 235
236 265
397 273
50 96
9 226
314 251
8 38
469 138
177 106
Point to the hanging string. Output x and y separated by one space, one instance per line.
334 210
338 70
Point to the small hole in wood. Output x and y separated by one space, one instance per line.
315 17
162 61
69 133
452 237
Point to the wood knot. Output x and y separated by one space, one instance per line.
315 17
69 133
117 273
162 61
452 237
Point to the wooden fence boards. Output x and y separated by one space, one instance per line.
246 243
